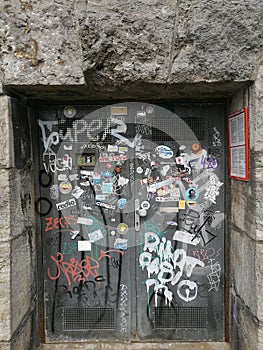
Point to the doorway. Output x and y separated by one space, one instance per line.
131 206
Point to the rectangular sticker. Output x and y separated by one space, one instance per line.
85 221
84 246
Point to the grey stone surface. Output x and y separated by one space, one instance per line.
5 290
121 47
138 346
6 134
245 329
5 207
22 283
40 42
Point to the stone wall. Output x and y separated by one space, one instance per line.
18 252
113 49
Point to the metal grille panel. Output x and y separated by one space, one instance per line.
181 317
80 319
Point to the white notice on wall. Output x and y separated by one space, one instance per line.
84 246
237 130
238 161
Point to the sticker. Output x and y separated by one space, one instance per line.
139 170
85 221
165 170
62 177
147 172
142 212
117 169
191 204
123 149
101 197
84 246
70 111
186 237
113 233
119 111
68 148
172 223
112 148
145 205
122 181
107 175
169 210
66 204
164 152
74 234
98 187
196 148
65 187
96 179
122 228
121 244
86 160
95 236
106 205
149 110
107 187
192 194
108 165
77 192
121 203
105 158
73 177
54 193
181 204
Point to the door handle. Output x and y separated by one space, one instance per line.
137 216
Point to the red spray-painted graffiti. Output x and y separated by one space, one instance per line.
76 271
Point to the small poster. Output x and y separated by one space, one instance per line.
238 150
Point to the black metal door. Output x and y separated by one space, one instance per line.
132 221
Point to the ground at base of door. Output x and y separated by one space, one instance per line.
136 346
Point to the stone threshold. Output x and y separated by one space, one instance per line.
137 346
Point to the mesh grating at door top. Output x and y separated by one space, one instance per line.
180 317
81 319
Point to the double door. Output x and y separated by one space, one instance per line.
131 208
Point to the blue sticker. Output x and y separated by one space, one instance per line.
121 203
121 244
107 187
192 194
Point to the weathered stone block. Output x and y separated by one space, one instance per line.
243 206
6 134
5 216
242 260
24 336
256 114
5 295
22 282
245 329
40 43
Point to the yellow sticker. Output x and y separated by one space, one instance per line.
181 204
118 110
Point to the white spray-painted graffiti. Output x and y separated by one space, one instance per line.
168 266
123 308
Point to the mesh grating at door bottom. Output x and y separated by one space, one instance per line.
180 317
81 319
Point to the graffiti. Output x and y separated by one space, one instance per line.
214 276
123 308
209 162
60 223
77 271
213 189
168 266
206 254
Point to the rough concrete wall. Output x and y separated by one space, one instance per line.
246 247
17 253
114 46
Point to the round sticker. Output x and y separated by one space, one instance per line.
113 233
139 170
145 205
65 187
142 212
121 203
164 152
196 148
70 111
192 194
122 228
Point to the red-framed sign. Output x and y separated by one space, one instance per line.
238 149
